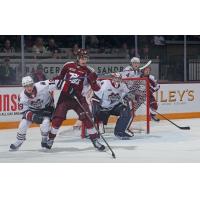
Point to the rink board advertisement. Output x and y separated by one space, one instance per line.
51 70
173 99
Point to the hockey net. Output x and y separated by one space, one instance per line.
139 87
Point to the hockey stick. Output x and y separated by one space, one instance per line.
146 65
180 127
113 154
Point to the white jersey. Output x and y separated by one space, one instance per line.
130 72
109 95
42 98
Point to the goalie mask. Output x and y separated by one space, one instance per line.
116 79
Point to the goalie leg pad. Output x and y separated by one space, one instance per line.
103 117
124 122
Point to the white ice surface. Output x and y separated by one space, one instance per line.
165 143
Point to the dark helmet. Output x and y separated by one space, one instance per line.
82 53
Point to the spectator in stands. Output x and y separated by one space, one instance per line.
75 50
159 40
28 43
52 46
124 50
132 53
93 41
38 74
7 47
7 74
39 46
145 52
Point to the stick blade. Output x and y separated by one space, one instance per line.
185 128
113 155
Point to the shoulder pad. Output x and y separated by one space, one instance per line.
90 69
127 68
42 83
68 64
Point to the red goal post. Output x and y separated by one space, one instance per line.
140 88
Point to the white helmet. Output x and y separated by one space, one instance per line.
27 80
135 60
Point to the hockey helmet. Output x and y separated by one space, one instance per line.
27 80
135 60
82 53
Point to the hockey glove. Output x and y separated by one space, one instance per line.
33 117
92 77
37 119
154 89
71 91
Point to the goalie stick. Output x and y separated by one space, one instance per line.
113 154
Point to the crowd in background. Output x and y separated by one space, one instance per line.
149 47
98 44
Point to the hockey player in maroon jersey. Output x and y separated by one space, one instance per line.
154 86
77 76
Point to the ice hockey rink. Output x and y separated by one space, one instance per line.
165 143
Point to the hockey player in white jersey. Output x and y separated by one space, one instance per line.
133 69
112 99
36 103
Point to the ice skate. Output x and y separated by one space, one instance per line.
154 118
124 135
15 146
97 144
44 142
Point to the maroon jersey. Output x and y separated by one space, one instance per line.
77 77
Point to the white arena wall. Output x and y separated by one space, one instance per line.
176 101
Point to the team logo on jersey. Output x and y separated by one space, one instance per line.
113 97
74 78
37 103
